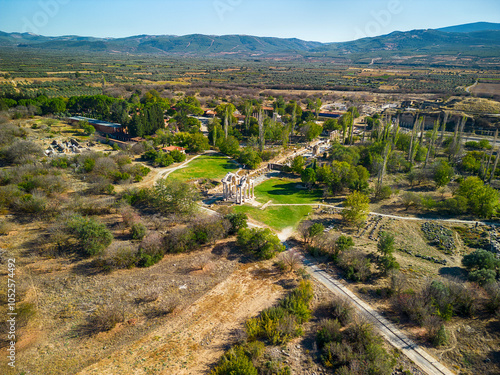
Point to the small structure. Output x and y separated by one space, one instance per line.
100 126
238 189
174 148
316 150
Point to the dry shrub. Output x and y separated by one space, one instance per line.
342 310
289 262
129 216
203 263
104 319
152 242
157 222
162 308
356 265
89 206
148 298
5 227
432 323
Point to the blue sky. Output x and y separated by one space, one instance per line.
319 20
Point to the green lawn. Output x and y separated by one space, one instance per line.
206 166
282 191
286 191
277 217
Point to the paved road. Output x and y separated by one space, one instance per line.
393 335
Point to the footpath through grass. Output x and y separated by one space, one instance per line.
206 166
282 191
277 217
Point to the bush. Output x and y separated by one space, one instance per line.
180 240
178 156
235 362
329 331
382 192
22 151
385 244
238 221
344 243
441 337
124 259
104 319
483 276
263 243
32 203
342 311
356 265
138 231
93 236
280 324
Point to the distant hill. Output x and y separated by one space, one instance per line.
471 27
195 44
462 45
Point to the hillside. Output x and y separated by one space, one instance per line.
438 47
471 27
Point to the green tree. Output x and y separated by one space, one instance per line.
387 263
332 124
385 244
308 176
443 173
237 221
298 164
315 230
480 259
250 157
343 243
229 146
263 243
356 209
173 196
93 236
483 199
311 130
197 143
87 128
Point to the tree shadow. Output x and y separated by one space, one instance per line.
493 328
453 272
287 284
90 268
287 189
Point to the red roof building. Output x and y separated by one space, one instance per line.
172 148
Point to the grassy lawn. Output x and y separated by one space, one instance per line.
277 217
282 191
206 166
286 191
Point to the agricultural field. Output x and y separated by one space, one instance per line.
117 254
60 74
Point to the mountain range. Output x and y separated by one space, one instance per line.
478 41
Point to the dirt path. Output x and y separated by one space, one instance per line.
191 342
411 218
393 335
159 173
467 89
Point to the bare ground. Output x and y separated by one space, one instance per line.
194 340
